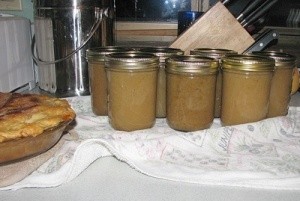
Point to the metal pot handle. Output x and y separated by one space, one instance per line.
99 15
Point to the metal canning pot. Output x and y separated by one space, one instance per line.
64 30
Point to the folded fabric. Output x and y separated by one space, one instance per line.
264 154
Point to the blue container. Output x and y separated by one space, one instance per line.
186 19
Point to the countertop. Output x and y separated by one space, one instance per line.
110 179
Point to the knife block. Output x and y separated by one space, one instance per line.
217 28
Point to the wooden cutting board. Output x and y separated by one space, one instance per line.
217 28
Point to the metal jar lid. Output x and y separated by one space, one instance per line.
162 52
212 52
191 64
282 60
131 61
98 53
252 63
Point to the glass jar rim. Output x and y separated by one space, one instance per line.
282 59
131 61
162 52
216 53
98 53
191 64
248 63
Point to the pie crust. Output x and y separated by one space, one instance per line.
30 115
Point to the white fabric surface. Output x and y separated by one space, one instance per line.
263 154
16 66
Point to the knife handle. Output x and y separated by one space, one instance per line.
263 40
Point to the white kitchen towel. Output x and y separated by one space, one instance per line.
264 154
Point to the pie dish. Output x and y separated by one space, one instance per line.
31 124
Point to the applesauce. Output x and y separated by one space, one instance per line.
216 54
281 87
97 77
191 85
245 88
163 53
132 80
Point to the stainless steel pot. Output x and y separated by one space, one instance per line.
64 30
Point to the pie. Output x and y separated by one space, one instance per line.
29 115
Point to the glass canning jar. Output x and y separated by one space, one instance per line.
97 76
163 53
281 87
191 84
132 82
216 54
245 88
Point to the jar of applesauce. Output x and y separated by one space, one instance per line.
245 88
281 87
97 76
163 53
191 85
132 80
216 54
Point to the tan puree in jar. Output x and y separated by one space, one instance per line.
216 54
246 88
191 84
163 53
97 76
281 87
132 80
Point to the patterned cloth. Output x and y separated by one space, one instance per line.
264 154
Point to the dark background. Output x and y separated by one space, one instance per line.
282 14
150 10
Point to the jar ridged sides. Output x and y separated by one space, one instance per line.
163 53
280 94
218 54
97 76
132 82
191 82
245 88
